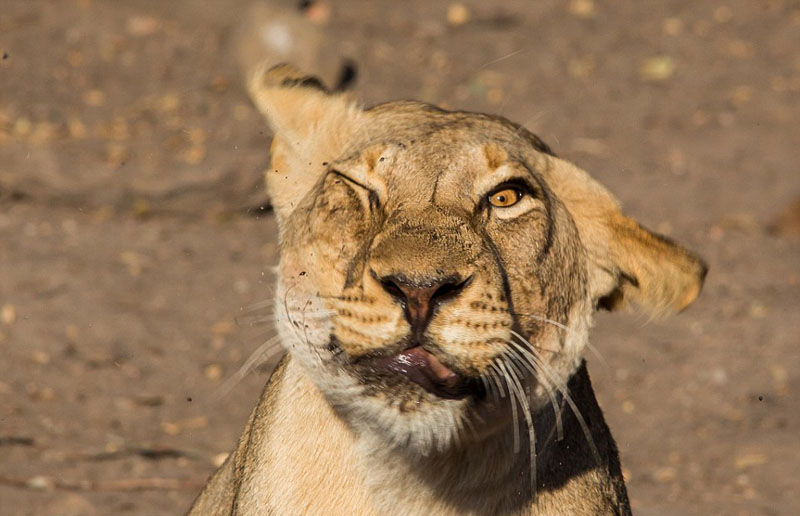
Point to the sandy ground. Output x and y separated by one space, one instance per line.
134 244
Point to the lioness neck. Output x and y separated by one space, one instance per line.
356 475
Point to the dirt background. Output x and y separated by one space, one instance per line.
134 246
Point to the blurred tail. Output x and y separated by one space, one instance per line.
273 33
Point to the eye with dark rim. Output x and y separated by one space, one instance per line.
508 193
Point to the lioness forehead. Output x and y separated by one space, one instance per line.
417 118
417 151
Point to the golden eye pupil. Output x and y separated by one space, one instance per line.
505 198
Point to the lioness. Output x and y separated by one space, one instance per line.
439 274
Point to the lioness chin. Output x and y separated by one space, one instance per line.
439 274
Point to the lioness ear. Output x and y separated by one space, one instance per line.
654 272
626 261
311 127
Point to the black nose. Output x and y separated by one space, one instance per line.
420 298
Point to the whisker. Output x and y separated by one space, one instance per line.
293 323
546 320
534 370
596 352
275 317
487 386
503 58
532 119
599 356
467 419
526 412
496 382
258 305
511 364
512 399
565 393
255 359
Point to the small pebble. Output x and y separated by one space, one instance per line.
40 482
319 13
582 8
672 26
40 357
458 14
213 372
665 474
170 428
8 314
748 460
657 68
223 327
94 98
140 26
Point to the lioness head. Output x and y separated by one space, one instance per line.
434 262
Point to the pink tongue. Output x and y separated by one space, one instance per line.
416 360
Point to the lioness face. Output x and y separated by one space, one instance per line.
417 269
436 265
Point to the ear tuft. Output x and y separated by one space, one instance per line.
299 105
281 75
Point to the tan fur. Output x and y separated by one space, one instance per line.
667 275
399 191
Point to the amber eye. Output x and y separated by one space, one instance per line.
505 197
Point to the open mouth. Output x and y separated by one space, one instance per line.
424 369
